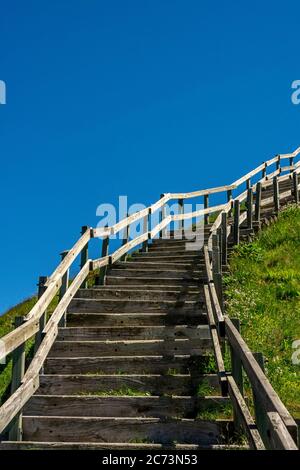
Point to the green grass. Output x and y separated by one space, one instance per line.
7 325
262 289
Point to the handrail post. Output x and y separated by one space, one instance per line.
295 187
146 226
220 237
216 269
264 171
43 318
181 212
250 208
248 183
236 224
236 363
126 233
100 280
237 373
291 160
229 198
206 205
260 413
278 163
276 194
224 238
84 255
162 215
63 289
18 370
257 202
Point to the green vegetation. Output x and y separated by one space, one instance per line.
263 290
6 325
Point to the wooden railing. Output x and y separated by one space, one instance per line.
36 325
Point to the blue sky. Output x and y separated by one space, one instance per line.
131 97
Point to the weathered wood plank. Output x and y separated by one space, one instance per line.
133 332
154 384
169 346
116 406
68 429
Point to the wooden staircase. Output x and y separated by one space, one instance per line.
144 333
136 366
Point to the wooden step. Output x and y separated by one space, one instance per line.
126 365
153 256
115 333
165 255
69 429
161 265
136 319
152 384
129 293
122 406
146 280
134 306
160 273
112 446
78 349
182 248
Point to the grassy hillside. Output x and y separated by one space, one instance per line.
263 290
6 325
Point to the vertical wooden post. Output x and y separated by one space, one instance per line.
229 198
249 208
18 369
224 238
257 202
236 363
103 269
291 164
146 226
236 224
295 187
84 255
181 211
260 413
162 216
206 205
220 237
264 172
278 163
248 183
216 268
63 289
276 194
126 234
43 319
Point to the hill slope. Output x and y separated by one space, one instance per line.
263 291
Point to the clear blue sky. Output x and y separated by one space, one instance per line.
131 97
